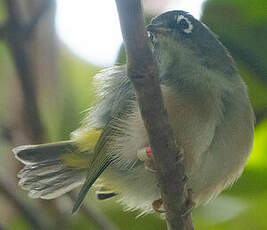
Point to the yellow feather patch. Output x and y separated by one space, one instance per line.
100 188
87 140
77 160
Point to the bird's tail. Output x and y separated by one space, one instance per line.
52 169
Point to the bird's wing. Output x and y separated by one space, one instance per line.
115 104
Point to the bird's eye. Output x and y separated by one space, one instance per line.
184 24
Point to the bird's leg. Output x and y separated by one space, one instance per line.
145 154
149 163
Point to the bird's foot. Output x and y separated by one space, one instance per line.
145 154
190 204
158 206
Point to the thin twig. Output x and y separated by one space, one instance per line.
30 216
98 218
2 228
43 8
13 9
18 34
143 72
18 47
2 31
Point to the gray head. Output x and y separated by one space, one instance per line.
178 36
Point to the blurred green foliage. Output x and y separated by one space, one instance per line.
2 12
77 95
242 27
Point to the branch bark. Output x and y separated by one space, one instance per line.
2 31
43 8
143 71
98 218
2 228
19 34
30 216
16 38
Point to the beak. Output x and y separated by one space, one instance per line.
157 28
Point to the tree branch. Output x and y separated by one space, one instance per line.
15 37
13 9
43 8
143 71
98 218
1 228
2 31
26 211
18 36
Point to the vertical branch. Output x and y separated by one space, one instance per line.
19 35
2 31
32 25
16 38
1 228
143 71
29 215
98 218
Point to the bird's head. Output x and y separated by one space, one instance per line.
178 37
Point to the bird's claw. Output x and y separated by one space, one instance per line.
158 206
190 204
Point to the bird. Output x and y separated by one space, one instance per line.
208 109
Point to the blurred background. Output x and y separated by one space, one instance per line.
49 52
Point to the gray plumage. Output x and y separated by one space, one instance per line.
208 109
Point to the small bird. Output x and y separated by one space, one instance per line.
208 108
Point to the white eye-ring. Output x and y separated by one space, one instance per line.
190 26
